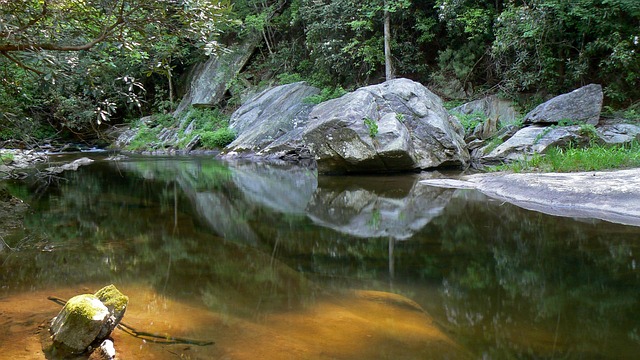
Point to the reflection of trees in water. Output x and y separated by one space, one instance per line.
527 278
100 227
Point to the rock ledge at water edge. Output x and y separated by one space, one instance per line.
608 195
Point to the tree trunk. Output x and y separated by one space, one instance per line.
170 79
388 65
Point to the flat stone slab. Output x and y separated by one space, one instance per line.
608 195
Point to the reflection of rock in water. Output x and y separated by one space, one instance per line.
285 189
377 207
11 212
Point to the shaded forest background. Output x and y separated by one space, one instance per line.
71 69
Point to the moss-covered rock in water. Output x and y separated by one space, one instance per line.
116 302
85 320
113 299
79 323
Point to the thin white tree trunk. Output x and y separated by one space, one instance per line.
388 64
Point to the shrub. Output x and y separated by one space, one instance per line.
287 78
145 139
218 138
470 121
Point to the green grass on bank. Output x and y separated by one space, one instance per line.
593 158
210 124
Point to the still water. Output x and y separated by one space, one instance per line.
276 262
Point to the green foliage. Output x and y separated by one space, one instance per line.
541 47
344 38
493 143
325 94
206 118
470 121
631 114
212 125
6 157
26 129
592 158
590 132
217 139
78 66
165 120
287 78
556 45
452 104
372 125
145 139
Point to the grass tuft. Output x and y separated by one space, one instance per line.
572 159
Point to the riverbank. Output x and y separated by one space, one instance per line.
607 195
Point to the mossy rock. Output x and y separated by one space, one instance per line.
79 323
113 299
117 303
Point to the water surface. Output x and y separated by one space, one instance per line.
277 262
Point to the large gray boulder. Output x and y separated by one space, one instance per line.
396 126
582 105
274 113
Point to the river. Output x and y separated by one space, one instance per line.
276 262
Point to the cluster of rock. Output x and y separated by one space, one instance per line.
17 163
400 125
568 119
85 323
14 162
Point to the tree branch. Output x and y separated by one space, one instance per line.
4 48
20 63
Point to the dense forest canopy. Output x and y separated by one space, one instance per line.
72 65
77 63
